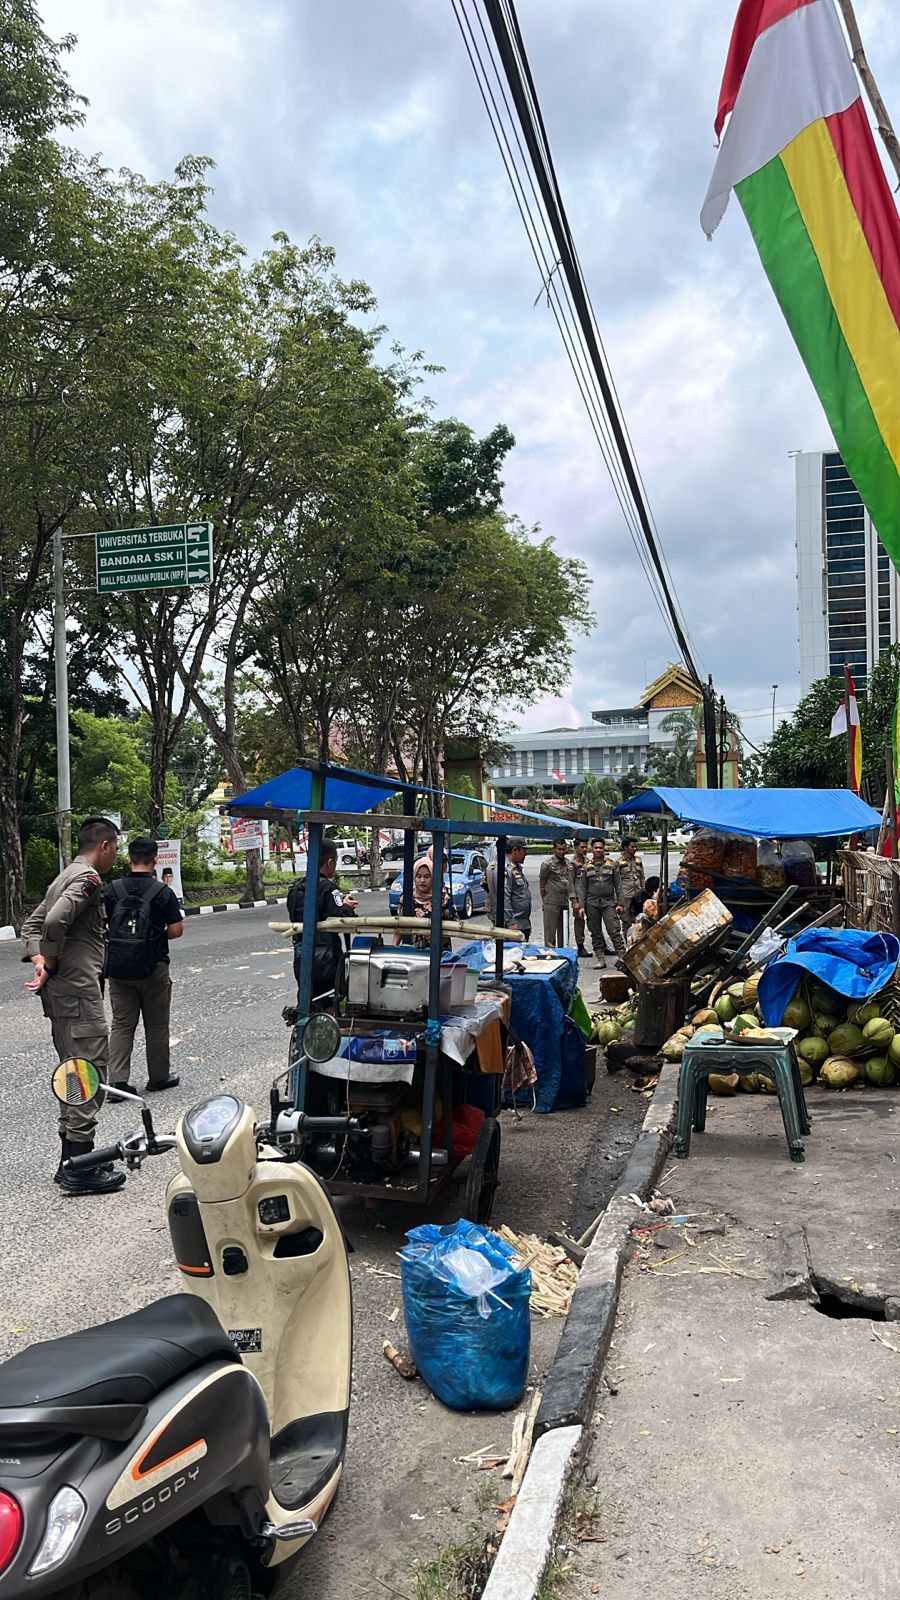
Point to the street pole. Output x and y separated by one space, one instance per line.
774 692
891 803
61 666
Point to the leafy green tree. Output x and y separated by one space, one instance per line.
800 754
459 474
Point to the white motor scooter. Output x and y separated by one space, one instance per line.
190 1449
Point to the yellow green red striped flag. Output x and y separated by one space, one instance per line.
799 153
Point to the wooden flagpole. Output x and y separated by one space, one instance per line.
860 61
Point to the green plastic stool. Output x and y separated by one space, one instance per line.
777 1061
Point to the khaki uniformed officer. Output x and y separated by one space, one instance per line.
598 892
65 938
557 886
516 892
629 879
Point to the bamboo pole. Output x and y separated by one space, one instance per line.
860 61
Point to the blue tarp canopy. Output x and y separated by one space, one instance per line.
291 791
347 789
761 813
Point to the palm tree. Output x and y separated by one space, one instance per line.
532 799
595 797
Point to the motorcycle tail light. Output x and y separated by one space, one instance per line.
64 1518
11 1524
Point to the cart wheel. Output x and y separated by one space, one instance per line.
484 1170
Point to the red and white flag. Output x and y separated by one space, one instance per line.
846 720
557 775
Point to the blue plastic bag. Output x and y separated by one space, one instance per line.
468 1315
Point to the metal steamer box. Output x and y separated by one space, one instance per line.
394 982
391 981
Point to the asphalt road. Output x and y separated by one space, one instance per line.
73 1262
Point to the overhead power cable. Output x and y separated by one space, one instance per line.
553 287
544 217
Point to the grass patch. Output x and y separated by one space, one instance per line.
458 1572
556 1578
581 1511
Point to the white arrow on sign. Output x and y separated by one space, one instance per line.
197 533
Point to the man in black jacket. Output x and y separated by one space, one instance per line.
142 916
328 958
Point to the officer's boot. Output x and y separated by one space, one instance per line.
99 1180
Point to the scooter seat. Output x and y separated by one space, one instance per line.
125 1362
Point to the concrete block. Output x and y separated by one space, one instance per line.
529 1541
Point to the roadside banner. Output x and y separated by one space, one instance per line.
249 833
168 861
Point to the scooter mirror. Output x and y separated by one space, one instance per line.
320 1038
75 1082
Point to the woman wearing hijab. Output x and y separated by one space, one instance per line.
423 896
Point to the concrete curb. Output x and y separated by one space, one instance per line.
573 1378
564 1419
231 905
244 905
524 1555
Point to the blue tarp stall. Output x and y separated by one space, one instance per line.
761 813
539 1014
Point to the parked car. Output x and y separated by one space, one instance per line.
466 879
351 854
394 850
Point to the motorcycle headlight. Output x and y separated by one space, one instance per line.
67 1513
321 1037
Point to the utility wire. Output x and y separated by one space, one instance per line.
555 288
588 363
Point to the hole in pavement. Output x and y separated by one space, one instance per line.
834 1305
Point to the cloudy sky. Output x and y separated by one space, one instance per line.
360 121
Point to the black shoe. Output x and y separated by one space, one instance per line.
101 1180
170 1081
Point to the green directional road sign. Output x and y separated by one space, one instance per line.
176 556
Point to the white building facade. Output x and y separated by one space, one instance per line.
848 593
614 743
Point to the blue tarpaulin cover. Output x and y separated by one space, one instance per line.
539 1015
761 813
292 791
855 963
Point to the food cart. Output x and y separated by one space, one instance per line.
392 1155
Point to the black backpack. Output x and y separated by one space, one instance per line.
134 947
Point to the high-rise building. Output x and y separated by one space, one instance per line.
848 593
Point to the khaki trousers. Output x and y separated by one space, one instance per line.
554 917
600 917
79 1027
134 999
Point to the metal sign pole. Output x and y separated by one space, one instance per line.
61 668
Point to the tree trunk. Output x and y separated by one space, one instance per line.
159 762
376 866
12 864
254 866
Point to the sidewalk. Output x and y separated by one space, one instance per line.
746 1446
